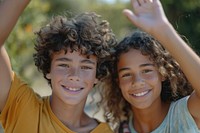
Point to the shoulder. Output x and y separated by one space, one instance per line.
179 116
102 128
180 104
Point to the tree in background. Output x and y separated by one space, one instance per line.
185 17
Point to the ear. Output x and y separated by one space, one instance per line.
48 76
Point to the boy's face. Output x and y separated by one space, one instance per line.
139 79
72 77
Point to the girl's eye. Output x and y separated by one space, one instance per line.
147 71
126 75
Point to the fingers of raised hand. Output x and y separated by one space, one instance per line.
142 2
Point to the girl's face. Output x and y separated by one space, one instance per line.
72 76
139 79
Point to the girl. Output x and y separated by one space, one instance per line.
157 86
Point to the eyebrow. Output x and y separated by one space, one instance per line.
82 61
88 61
63 59
142 65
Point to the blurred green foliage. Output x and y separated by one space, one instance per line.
183 14
185 17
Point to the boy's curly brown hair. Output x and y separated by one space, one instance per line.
174 87
85 32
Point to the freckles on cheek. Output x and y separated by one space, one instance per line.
61 72
155 82
123 83
154 79
88 75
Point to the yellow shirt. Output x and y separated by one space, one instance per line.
26 112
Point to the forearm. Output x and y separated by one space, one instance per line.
6 77
186 57
10 10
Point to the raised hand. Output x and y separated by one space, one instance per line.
147 15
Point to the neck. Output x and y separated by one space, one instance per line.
147 120
72 116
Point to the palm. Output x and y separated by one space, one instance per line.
147 16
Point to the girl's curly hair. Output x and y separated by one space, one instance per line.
85 32
174 87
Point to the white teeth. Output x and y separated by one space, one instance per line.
141 94
74 89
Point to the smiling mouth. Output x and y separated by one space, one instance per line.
72 89
140 94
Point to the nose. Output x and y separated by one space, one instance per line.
74 75
138 81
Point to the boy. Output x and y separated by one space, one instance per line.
70 53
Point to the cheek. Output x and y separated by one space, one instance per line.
89 75
156 81
59 73
124 87
154 77
125 84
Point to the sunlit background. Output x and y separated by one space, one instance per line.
183 14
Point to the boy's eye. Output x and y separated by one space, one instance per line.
63 65
86 67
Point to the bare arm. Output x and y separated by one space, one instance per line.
10 10
149 16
